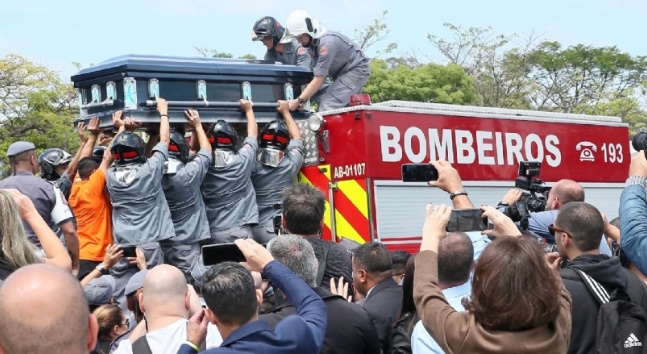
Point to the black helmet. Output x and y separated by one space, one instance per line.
179 147
50 159
223 136
128 147
268 27
274 136
97 153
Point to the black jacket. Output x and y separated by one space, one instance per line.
383 305
401 337
349 330
608 272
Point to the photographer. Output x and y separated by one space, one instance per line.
563 191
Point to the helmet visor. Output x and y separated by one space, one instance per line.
221 157
288 36
269 157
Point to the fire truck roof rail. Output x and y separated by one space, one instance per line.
482 112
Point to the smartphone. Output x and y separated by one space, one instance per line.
130 251
225 252
463 220
419 172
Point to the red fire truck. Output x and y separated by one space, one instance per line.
361 150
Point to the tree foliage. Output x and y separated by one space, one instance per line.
36 106
425 83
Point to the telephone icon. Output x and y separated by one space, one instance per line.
586 149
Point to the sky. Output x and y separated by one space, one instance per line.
56 33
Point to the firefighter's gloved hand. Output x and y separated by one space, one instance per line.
448 178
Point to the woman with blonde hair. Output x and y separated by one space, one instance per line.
112 324
15 249
518 303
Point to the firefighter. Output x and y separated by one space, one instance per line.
278 163
140 213
227 190
334 55
181 184
269 31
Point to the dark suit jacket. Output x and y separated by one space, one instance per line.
383 304
350 330
300 334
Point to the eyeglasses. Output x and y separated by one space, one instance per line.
552 229
127 324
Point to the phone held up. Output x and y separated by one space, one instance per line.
419 172
219 253
464 220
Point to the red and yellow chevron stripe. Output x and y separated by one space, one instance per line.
350 200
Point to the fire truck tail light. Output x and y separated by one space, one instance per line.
315 121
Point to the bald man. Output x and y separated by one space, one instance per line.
563 191
167 303
44 310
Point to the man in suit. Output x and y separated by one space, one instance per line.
350 329
373 278
233 300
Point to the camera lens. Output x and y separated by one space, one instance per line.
639 141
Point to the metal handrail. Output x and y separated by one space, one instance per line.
214 104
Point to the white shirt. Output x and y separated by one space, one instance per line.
168 340
421 341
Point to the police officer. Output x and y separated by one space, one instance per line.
278 163
181 184
227 190
269 31
334 55
47 199
140 213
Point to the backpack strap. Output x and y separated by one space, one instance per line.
594 287
322 265
140 346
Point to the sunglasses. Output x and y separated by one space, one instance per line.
552 229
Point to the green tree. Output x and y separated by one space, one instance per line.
248 57
36 106
213 53
425 83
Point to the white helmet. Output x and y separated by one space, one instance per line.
298 23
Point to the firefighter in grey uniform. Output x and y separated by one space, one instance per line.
334 55
181 184
269 31
277 165
48 199
140 213
227 190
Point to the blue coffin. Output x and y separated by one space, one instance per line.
213 86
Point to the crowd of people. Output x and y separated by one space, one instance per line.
101 253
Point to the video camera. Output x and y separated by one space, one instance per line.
534 195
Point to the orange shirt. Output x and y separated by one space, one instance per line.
93 212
